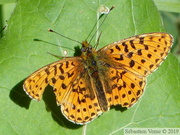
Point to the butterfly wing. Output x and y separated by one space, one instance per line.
71 86
122 87
35 84
80 104
129 61
140 54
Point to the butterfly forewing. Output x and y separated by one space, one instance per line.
35 84
140 54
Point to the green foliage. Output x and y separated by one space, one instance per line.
168 5
20 56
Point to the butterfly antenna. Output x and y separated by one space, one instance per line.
93 28
51 43
50 30
100 24
97 43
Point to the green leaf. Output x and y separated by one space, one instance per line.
20 55
168 5
7 1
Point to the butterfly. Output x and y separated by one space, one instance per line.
88 85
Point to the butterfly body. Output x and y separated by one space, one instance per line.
93 68
87 85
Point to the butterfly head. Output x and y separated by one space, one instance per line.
86 47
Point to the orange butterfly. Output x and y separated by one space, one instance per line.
90 84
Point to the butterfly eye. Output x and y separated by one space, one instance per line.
83 49
89 49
